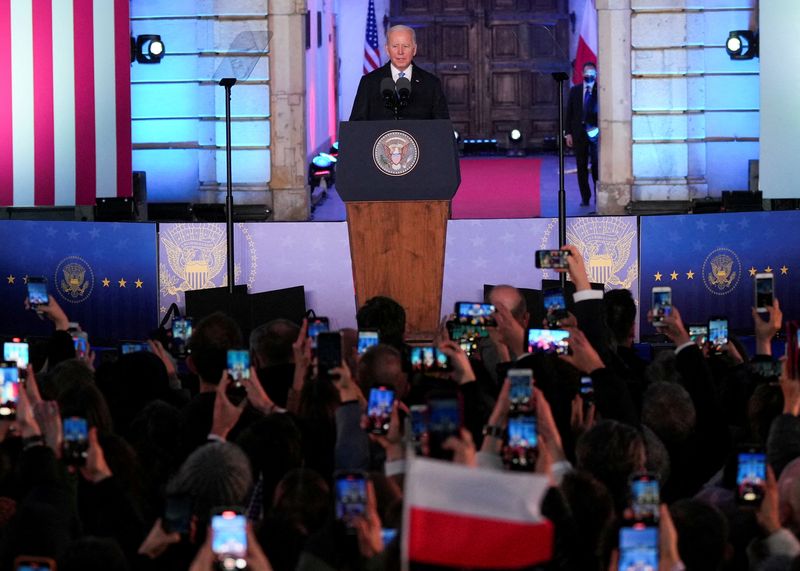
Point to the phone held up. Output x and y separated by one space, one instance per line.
379 409
329 353
751 476
552 259
9 375
661 304
75 449
229 538
765 289
238 371
351 497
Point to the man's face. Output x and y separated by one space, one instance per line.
589 74
400 48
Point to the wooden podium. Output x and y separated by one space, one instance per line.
397 179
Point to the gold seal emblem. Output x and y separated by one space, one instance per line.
606 245
395 153
721 271
75 279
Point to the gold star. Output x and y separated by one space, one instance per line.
784 270
768 269
658 276
10 279
138 283
752 271
674 275
690 275
122 282
106 282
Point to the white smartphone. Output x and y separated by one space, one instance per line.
661 305
765 288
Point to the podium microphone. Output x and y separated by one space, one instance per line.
403 90
388 93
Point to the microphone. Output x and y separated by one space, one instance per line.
387 92
403 90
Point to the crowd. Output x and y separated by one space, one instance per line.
168 445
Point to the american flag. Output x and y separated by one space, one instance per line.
372 55
65 103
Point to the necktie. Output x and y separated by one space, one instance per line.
586 98
401 74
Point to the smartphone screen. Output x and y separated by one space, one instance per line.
521 389
177 514
419 422
10 378
81 341
25 563
751 476
379 409
661 305
698 334
18 352
315 327
127 347
329 353
229 537
37 292
76 441
428 359
181 333
638 547
460 331
548 341
555 306
444 421
523 440
645 497
367 339
552 259
238 371
765 284
475 313
718 333
351 497
587 390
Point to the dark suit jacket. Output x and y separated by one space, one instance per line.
426 102
574 120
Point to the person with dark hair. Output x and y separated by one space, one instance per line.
593 515
93 554
581 129
702 535
272 356
387 316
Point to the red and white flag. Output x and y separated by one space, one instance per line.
473 517
587 42
65 101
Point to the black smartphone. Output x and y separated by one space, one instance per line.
587 391
445 418
418 423
552 259
238 371
37 292
475 313
181 333
17 351
661 304
520 391
10 397
751 476
765 289
522 443
638 547
428 359
80 340
75 449
127 347
329 353
792 350
548 341
30 563
177 513
555 306
467 336
367 338
645 497
718 334
698 334
229 538
317 325
351 497
379 409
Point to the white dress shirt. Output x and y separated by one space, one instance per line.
396 72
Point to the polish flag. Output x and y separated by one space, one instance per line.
587 42
473 517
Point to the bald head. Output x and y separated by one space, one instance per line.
510 298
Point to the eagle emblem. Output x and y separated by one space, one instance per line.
606 245
722 270
396 153
75 279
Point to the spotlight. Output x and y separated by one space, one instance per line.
515 144
515 135
457 135
742 44
149 48
334 150
322 171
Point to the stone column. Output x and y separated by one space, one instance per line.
614 81
291 197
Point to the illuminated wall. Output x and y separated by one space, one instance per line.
178 111
321 103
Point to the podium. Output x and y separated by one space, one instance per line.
397 179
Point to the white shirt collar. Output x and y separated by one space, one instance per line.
396 72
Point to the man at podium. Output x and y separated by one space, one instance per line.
426 99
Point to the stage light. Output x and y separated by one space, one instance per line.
149 48
334 150
515 135
457 135
322 171
516 144
742 44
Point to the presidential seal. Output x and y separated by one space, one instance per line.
607 245
395 153
74 279
722 271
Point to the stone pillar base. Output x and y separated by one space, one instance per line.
291 204
613 198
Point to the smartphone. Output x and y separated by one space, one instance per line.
645 497
459 331
177 514
475 313
10 396
552 259
555 306
75 449
316 326
717 334
638 547
548 341
17 351
351 497
661 304
81 341
587 391
181 333
229 538
521 390
37 292
367 338
428 359
30 563
698 334
445 418
522 442
127 347
388 535
238 371
329 353
379 409
418 421
766 369
751 476
765 288
792 349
